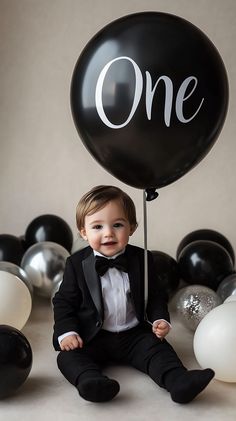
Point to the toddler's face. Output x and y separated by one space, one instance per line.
107 230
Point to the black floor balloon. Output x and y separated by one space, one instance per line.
209 235
167 271
15 360
11 249
227 287
49 228
205 263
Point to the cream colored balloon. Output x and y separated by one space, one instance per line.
215 342
15 301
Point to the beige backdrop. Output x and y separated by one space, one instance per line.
44 167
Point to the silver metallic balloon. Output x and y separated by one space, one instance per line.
44 264
55 288
227 287
194 302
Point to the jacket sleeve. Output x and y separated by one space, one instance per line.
65 304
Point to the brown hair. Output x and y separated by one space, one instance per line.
98 197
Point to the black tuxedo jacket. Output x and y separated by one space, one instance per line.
78 305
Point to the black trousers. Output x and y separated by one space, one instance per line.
137 347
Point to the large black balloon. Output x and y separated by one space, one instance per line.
11 249
49 228
167 271
209 235
15 360
205 263
149 96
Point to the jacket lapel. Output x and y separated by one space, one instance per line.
93 282
135 273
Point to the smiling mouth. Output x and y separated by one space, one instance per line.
109 243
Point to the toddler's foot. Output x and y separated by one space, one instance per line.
98 389
189 384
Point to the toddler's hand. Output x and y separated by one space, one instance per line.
71 342
160 329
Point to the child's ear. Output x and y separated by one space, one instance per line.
132 229
83 234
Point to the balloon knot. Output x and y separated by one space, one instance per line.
151 194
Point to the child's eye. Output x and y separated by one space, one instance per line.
97 227
118 225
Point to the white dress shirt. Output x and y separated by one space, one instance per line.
119 312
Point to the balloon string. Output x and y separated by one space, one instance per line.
145 252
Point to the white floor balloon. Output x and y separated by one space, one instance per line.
215 342
15 301
230 298
18 271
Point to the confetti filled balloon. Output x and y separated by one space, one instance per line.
194 302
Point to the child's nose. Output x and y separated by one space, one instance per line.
108 231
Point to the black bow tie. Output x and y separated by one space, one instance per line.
102 264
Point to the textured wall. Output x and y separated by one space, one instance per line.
45 168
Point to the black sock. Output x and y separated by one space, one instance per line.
95 387
185 385
91 373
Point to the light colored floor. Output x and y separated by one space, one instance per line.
46 395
